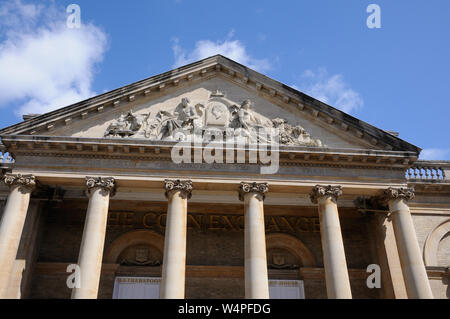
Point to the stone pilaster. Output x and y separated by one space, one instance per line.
13 220
335 264
174 260
256 278
92 243
414 272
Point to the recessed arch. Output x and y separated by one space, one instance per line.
136 237
293 245
432 243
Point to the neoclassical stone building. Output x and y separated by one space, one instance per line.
116 198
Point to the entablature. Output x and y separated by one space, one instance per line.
19 145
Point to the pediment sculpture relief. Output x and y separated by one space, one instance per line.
215 116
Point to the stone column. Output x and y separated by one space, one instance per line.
335 264
12 222
256 278
414 272
93 241
393 282
174 260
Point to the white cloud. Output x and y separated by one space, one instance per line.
435 154
232 49
44 65
332 90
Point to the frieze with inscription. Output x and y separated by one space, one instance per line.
212 222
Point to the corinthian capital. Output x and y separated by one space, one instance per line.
321 191
260 188
178 185
399 193
107 184
27 183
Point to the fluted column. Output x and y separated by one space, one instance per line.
93 241
414 272
174 261
256 278
12 222
335 264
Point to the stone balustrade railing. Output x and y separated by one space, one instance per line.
5 157
429 171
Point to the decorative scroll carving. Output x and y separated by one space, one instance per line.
321 191
260 188
27 183
184 186
107 184
217 113
399 193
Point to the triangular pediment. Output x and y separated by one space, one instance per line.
210 94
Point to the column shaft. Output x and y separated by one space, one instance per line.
174 260
256 277
414 272
92 243
335 264
12 223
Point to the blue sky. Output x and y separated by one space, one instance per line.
396 77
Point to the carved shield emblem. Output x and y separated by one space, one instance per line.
142 255
278 259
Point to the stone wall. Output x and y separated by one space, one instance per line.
206 246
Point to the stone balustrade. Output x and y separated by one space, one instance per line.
429 171
5 157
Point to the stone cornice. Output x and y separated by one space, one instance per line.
324 191
198 71
133 148
107 184
259 188
185 186
27 183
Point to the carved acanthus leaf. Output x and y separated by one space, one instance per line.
246 188
26 182
322 191
185 186
399 193
107 184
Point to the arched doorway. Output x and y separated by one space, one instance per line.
139 255
285 256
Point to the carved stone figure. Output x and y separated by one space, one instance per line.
187 119
243 116
188 114
125 126
168 124
293 135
